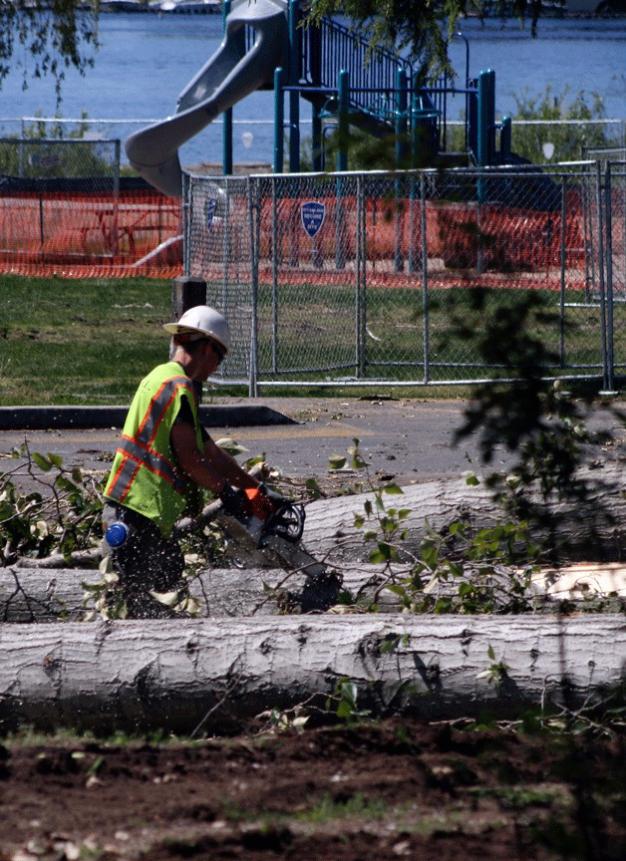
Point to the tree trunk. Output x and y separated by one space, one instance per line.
46 596
590 530
27 595
220 673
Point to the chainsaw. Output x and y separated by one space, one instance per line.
274 542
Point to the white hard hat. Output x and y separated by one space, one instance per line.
203 322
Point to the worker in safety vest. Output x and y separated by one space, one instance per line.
163 454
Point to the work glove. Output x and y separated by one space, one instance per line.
276 499
251 502
234 502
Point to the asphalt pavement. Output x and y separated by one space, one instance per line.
407 440
411 440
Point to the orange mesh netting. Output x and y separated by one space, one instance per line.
138 232
82 235
465 245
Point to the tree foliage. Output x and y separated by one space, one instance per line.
420 29
46 37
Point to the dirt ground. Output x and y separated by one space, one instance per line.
395 789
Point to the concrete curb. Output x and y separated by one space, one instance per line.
81 418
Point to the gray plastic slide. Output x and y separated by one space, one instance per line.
230 75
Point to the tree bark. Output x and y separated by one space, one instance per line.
590 530
221 673
27 595
593 530
47 596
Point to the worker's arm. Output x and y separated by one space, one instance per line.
212 468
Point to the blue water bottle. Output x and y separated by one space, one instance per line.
116 534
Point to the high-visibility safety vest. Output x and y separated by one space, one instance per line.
145 476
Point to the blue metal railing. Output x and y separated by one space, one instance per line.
372 71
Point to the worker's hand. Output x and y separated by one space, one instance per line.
251 502
277 499
260 504
235 502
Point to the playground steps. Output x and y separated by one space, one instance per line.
372 73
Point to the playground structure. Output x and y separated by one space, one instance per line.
476 219
347 82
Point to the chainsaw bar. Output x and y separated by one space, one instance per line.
248 547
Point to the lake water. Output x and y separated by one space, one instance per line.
146 60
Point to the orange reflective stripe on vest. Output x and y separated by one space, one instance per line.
154 461
159 405
137 452
119 483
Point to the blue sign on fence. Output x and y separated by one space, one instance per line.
209 208
312 214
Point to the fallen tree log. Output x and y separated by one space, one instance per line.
178 675
589 530
45 596
28 595
593 529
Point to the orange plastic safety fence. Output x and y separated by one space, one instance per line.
83 235
464 244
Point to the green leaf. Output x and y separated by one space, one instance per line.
491 654
231 446
403 513
390 644
336 461
471 480
65 484
55 460
349 692
429 555
344 709
392 489
356 460
396 589
367 505
377 556
41 461
359 520
313 488
456 569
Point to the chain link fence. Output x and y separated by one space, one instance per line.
45 159
64 209
377 278
253 139
219 249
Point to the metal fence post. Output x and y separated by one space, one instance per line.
360 320
279 121
608 377
401 102
187 208
42 232
116 197
563 263
253 206
425 296
226 243
274 279
601 267
343 95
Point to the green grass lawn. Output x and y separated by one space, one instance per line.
90 341
79 342
314 328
